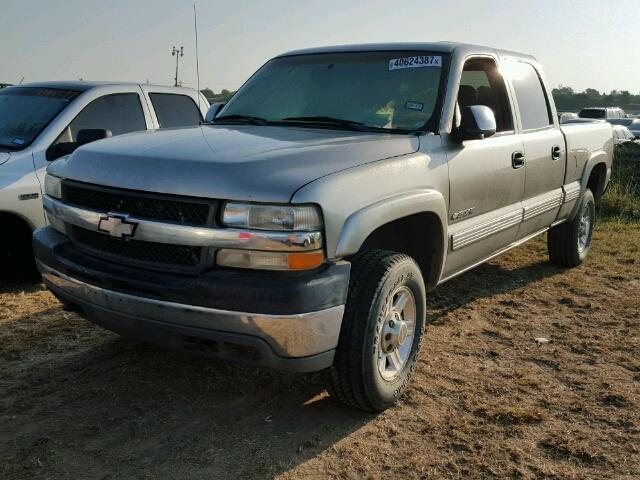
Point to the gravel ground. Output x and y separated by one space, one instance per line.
486 401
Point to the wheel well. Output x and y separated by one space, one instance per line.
17 230
420 236
596 180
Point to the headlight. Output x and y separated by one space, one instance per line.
287 218
292 218
53 186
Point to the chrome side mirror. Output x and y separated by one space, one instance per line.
476 123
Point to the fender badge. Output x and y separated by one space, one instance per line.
462 213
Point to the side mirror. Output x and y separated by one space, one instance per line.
476 123
213 111
91 135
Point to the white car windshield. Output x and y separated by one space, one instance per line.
26 111
383 91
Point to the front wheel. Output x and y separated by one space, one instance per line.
569 243
381 331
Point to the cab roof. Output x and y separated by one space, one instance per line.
83 86
444 47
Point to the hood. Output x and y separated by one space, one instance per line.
261 163
4 157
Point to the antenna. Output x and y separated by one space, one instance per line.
195 27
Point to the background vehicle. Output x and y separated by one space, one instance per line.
5 85
633 124
42 122
626 143
602 113
304 226
564 116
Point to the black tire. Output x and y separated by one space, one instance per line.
563 244
355 377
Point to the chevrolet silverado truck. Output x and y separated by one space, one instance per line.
41 122
304 225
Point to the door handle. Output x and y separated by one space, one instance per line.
556 151
517 159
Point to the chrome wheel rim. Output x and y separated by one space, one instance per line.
584 227
397 334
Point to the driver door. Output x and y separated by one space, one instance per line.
486 179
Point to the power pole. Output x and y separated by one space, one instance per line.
177 53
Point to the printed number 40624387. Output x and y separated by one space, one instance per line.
414 62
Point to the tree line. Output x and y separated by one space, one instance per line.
567 100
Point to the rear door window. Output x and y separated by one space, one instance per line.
535 111
175 110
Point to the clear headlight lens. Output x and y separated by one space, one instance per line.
300 218
53 186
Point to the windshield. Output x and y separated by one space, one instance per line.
395 91
26 111
592 113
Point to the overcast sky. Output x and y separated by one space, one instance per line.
582 43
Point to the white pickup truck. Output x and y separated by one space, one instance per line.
41 122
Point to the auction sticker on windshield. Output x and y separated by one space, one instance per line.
415 62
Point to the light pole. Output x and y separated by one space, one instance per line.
177 53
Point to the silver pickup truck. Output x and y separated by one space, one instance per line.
304 225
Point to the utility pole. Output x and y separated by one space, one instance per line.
177 53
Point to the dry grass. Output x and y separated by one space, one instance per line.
486 402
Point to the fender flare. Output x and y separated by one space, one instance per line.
360 224
595 159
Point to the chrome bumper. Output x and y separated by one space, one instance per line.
289 336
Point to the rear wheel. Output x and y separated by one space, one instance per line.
569 243
381 331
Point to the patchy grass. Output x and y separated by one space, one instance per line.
486 402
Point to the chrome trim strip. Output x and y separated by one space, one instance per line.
174 234
571 191
298 335
541 206
493 255
488 228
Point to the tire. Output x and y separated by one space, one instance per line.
570 242
363 375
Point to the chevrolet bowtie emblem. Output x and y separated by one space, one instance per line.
117 226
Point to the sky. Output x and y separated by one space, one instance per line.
581 43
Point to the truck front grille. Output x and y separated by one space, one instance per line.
166 208
150 206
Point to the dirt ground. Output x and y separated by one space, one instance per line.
486 401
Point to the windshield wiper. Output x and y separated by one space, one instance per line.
236 118
322 120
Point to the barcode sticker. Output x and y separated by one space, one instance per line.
415 62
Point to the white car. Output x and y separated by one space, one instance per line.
41 122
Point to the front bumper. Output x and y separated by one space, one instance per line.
294 325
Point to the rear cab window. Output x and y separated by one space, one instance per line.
596 113
531 97
174 110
